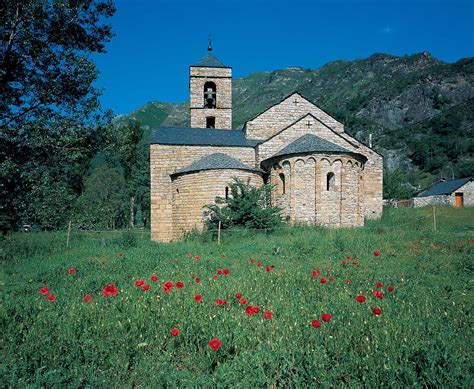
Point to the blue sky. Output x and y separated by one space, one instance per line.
156 41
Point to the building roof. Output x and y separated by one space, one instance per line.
200 137
216 161
209 61
310 143
445 187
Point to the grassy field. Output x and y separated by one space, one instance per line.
422 337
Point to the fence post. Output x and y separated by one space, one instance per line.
434 218
68 234
219 233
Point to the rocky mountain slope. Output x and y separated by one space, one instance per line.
418 108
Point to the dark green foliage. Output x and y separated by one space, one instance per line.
246 206
396 185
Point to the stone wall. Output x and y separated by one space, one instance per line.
284 114
468 194
305 197
222 77
371 184
194 190
166 159
431 200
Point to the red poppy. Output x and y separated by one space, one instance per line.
180 285
215 344
349 257
252 310
51 297
376 311
145 287
72 270
348 282
252 260
378 285
243 301
120 255
44 290
154 278
323 280
226 272
215 277
316 273
110 290
238 295
175 332
221 302
331 278
344 262
198 280
198 298
390 288
197 257
376 253
267 269
167 286
139 282
219 271
88 298
378 294
361 299
188 255
326 317
315 323
259 263
355 263
267 315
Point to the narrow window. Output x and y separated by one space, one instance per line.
210 122
226 192
282 183
330 181
210 95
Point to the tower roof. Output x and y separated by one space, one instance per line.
209 61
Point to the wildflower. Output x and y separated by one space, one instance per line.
198 298
361 299
51 297
390 288
175 332
348 282
226 272
219 271
344 262
323 280
252 261
198 280
180 285
87 298
221 302
315 273
267 315
252 310
167 286
376 311
215 344
215 277
187 255
349 257
326 317
378 294
197 257
44 290
145 287
376 253
139 282
72 270
259 263
120 255
110 290
315 323
238 295
243 301
378 285
154 278
267 269
331 278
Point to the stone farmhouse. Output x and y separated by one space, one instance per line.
321 175
456 193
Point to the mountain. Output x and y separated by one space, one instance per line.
419 109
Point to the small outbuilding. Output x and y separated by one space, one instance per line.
457 193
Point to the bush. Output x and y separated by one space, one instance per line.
246 206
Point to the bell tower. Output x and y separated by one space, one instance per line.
210 87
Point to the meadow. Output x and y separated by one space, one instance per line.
385 305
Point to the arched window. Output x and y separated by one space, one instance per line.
282 183
210 95
210 122
330 181
226 192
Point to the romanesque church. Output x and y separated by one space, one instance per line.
321 175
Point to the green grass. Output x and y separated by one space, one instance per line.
422 338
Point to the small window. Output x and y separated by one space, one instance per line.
210 122
226 192
282 183
210 95
330 181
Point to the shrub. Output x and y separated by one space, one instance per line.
246 206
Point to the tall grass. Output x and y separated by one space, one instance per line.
421 338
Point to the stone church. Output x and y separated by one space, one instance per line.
321 175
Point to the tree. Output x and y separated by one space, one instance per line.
246 206
51 122
396 185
